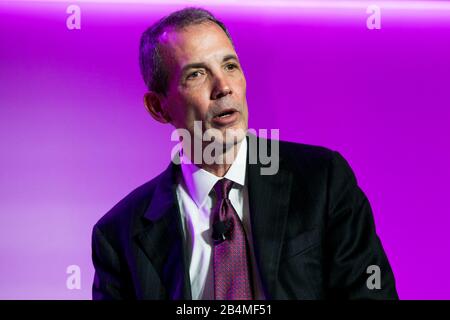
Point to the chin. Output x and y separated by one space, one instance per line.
232 136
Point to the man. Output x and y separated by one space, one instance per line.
222 229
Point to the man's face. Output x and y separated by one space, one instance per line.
206 81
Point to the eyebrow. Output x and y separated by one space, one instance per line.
195 65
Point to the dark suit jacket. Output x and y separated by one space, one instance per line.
313 233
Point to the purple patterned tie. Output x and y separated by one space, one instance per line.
232 279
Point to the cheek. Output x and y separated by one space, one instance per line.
244 85
187 108
241 86
242 89
197 103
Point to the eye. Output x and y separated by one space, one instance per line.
194 75
231 66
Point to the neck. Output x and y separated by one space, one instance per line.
218 169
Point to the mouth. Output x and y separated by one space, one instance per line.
226 117
225 113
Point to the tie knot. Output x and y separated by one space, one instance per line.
222 188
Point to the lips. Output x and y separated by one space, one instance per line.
226 116
225 113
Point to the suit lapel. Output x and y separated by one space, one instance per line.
161 238
268 202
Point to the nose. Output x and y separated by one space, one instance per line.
221 88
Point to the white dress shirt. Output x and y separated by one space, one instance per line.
195 202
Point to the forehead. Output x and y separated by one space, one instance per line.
196 43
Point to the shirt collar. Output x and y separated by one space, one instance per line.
199 182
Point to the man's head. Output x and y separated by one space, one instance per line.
192 72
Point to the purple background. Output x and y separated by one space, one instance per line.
75 137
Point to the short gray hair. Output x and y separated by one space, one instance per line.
152 67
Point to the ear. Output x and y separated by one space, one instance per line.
153 104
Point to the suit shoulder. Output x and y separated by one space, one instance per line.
129 207
314 159
295 153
